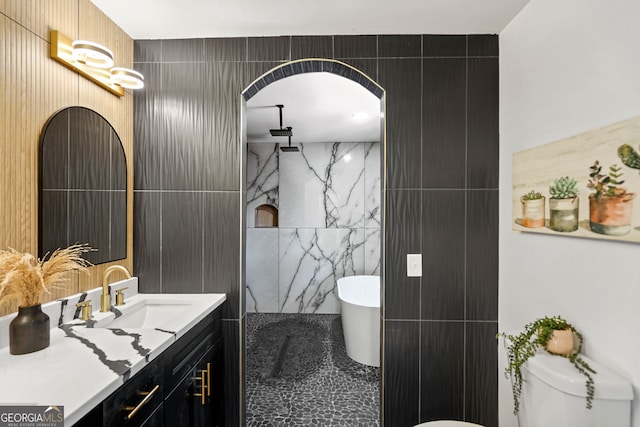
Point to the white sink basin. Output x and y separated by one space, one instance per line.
168 312
147 314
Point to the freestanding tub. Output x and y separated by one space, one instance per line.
360 306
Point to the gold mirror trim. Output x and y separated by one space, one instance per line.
62 52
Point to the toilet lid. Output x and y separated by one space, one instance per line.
448 423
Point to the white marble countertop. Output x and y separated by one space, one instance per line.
83 365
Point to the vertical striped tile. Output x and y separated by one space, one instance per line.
481 372
398 46
221 258
181 259
147 242
482 255
182 144
444 123
401 78
226 49
403 236
482 125
444 46
221 151
401 367
148 128
269 48
311 47
443 261
355 46
442 371
183 50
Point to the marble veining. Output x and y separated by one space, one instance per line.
88 355
328 200
120 367
311 261
135 344
63 305
372 185
322 186
262 178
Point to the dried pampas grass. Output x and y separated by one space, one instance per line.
24 278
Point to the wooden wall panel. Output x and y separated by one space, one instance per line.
41 16
32 88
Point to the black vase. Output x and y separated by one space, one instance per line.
29 331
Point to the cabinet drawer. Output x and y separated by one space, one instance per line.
182 356
132 403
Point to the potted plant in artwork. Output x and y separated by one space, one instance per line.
23 278
554 335
563 204
629 156
532 209
609 205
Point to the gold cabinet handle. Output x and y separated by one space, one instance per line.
208 379
147 397
203 385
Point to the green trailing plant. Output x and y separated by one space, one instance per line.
564 188
605 185
536 335
532 195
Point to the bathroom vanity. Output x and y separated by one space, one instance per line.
156 360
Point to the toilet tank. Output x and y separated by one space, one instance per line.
554 394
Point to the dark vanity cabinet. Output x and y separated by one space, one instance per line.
182 387
193 377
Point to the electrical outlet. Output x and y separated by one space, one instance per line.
414 265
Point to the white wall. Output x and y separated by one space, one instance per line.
567 67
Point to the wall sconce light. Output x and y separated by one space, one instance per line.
92 54
127 78
95 62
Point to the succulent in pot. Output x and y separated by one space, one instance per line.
532 209
610 204
554 335
563 204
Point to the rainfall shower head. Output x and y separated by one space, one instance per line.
289 149
282 131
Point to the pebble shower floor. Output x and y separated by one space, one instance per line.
299 374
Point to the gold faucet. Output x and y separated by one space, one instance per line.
105 300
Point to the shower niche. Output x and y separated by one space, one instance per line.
266 216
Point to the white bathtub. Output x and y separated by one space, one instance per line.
360 307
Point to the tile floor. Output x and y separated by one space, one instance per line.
299 374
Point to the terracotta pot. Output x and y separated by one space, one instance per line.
563 214
532 212
611 215
561 342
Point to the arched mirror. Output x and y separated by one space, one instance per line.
82 185
313 146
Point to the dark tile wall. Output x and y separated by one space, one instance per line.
440 352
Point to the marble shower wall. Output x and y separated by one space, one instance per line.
328 200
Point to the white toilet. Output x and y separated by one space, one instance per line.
554 394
